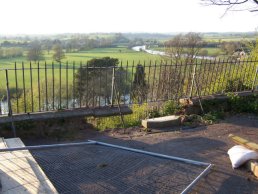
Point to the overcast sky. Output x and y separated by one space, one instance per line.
84 16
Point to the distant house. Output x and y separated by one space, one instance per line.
239 55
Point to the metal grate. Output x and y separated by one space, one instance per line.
102 169
97 167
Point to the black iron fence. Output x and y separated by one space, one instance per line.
36 87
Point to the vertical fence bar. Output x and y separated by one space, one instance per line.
254 79
99 94
93 89
119 83
164 81
60 86
193 78
87 82
224 81
16 87
188 74
153 82
126 80
173 78
100 85
10 112
8 93
106 100
46 85
232 74
148 86
80 86
39 100
212 77
222 73
249 61
169 78
73 85
198 94
144 70
209 79
53 86
112 86
208 83
131 87
253 70
243 77
203 78
160 71
184 77
238 63
136 78
31 89
197 77
67 85
229 73
179 82
206 77
216 66
24 89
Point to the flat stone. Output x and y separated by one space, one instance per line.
162 122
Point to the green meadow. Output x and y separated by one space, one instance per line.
122 53
125 56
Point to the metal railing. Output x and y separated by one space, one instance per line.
27 88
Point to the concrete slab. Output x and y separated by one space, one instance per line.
162 122
20 173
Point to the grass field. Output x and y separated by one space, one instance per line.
123 54
228 38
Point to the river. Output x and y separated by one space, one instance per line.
3 107
162 53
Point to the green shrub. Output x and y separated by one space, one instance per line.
236 84
212 117
140 111
246 104
154 112
170 107
215 105
134 119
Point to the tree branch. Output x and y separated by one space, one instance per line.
232 3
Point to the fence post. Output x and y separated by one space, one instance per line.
10 112
254 80
112 86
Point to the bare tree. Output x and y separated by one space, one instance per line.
184 48
234 5
58 53
35 52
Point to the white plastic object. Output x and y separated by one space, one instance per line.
239 155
